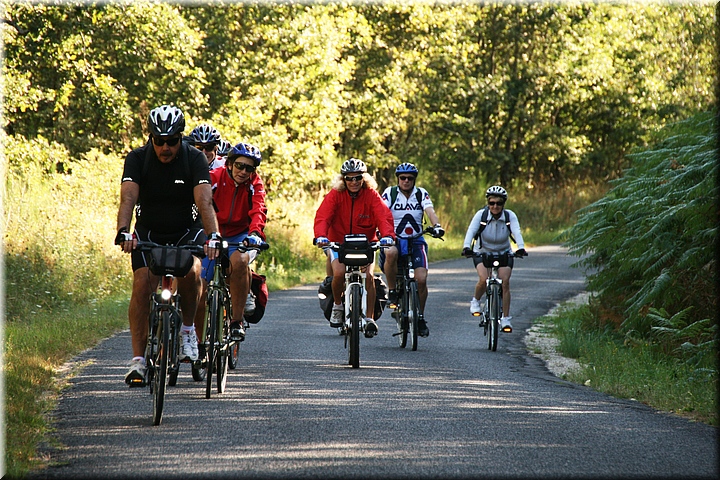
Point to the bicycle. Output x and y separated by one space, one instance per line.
407 312
221 352
165 320
355 252
492 311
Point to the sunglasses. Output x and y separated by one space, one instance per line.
500 204
356 178
160 141
406 179
244 166
208 148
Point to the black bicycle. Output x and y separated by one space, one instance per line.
163 346
407 312
355 252
492 310
221 352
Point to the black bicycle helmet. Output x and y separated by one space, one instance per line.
353 165
205 134
496 191
406 168
166 121
244 150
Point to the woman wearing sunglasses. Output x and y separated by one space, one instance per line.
239 198
491 229
353 205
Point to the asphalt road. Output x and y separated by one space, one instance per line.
452 409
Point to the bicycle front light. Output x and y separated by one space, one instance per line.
166 294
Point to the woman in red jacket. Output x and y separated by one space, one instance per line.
239 199
353 206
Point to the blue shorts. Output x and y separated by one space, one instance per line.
419 253
208 266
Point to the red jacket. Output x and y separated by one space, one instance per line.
239 208
339 214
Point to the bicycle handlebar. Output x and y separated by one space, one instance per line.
241 246
428 230
145 246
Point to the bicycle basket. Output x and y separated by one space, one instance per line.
490 258
170 261
356 251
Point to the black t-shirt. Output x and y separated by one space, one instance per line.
166 203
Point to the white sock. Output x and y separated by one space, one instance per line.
186 329
139 359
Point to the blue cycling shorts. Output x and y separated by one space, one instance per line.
208 266
419 253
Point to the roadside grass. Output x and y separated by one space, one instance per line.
641 372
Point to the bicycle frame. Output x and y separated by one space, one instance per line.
492 311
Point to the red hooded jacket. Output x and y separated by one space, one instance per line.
239 208
339 214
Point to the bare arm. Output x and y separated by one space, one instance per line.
203 200
432 216
129 193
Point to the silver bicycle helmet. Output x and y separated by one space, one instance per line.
204 133
353 165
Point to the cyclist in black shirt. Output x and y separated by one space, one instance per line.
167 183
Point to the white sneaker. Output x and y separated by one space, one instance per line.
505 324
189 346
338 314
250 304
475 307
135 377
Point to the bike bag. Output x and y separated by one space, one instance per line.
170 260
489 259
356 251
259 288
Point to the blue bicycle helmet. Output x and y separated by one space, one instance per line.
353 165
406 168
205 134
244 150
166 121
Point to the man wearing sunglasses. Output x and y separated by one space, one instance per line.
206 139
239 198
353 205
408 205
167 184
494 236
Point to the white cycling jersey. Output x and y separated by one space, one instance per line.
496 235
406 211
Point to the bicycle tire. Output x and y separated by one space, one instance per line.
234 355
161 365
494 318
402 316
212 352
173 363
413 315
354 331
223 351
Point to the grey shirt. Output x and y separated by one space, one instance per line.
496 235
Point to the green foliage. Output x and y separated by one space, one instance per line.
651 241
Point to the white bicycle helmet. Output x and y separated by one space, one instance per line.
496 191
353 165
166 120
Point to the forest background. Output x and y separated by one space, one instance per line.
551 100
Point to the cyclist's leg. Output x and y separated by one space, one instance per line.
482 278
139 309
370 289
388 265
200 313
239 282
338 277
504 273
420 264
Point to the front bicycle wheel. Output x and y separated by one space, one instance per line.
355 312
223 352
413 315
174 351
494 317
160 366
401 316
213 323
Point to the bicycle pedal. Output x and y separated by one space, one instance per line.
476 314
137 383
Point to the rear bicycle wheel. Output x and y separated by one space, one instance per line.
160 366
494 317
413 315
355 309
214 317
173 352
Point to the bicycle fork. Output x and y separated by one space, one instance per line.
353 278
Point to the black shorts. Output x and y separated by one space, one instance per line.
191 236
478 261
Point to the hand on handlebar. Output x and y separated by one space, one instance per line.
387 242
438 231
213 246
521 252
322 241
467 252
126 240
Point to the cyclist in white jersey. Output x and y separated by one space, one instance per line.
408 205
494 238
